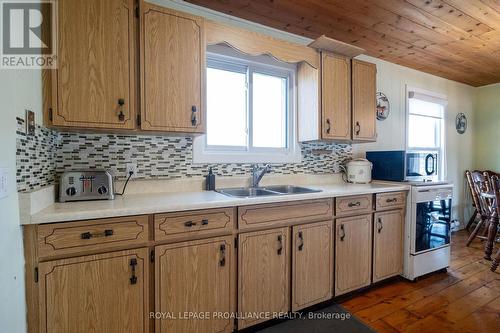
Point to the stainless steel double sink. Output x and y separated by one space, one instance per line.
251 192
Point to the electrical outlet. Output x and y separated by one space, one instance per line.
132 167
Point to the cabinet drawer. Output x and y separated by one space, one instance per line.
74 237
183 225
390 200
356 204
276 214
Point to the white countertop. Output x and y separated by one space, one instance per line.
141 204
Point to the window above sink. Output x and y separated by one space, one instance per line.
251 103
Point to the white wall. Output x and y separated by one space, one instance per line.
19 90
391 80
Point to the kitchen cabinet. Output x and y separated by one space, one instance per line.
364 104
94 85
263 274
96 293
312 264
195 277
336 97
346 111
353 253
387 244
172 70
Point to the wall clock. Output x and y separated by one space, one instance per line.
383 106
461 123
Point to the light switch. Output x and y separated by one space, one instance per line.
4 173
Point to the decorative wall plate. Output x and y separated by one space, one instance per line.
383 106
461 123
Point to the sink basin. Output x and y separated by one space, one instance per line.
290 189
245 192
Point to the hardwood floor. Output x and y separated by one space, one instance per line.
466 299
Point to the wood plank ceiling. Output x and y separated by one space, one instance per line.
455 39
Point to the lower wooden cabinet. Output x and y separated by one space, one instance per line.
263 274
195 278
353 253
388 244
312 264
97 293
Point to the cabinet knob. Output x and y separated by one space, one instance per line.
357 128
222 261
354 204
194 121
133 264
328 126
342 234
121 115
380 225
301 239
189 223
280 244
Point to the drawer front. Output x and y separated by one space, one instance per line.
276 214
73 237
183 225
356 204
390 200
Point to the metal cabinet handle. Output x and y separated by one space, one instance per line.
301 238
329 126
280 242
342 236
222 261
204 222
354 204
380 225
391 200
89 235
133 264
357 128
121 115
189 223
194 121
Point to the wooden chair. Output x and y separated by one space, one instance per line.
479 184
493 200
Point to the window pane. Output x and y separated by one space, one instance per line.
226 108
424 132
269 111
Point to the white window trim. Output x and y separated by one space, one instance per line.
292 154
432 97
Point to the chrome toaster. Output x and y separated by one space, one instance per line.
86 185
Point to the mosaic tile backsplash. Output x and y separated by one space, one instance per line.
42 156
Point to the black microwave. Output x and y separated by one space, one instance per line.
400 165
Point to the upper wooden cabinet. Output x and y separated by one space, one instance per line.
336 97
97 293
364 104
94 85
172 70
347 108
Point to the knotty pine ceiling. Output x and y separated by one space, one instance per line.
455 39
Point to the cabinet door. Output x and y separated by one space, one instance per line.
388 244
94 84
263 274
364 104
312 264
335 97
96 293
195 278
172 70
353 255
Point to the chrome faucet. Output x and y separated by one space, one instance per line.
258 173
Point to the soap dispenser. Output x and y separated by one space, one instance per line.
210 181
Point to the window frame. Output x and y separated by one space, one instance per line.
436 98
226 58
